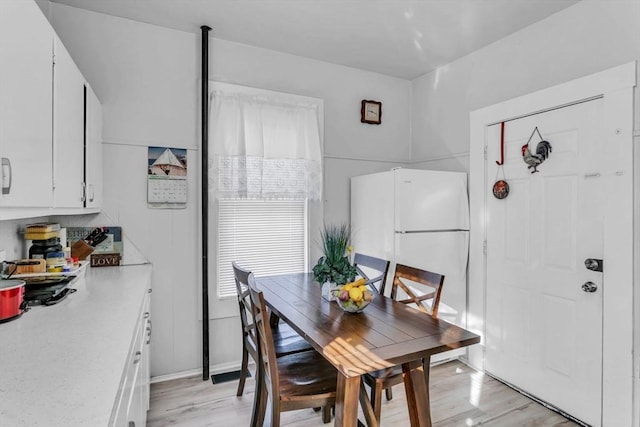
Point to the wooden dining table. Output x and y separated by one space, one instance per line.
387 333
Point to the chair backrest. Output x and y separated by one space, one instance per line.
401 280
241 277
261 320
372 266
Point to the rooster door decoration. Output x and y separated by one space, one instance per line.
535 159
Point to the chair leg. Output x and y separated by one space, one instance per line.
326 414
376 399
243 371
388 393
275 411
274 320
259 402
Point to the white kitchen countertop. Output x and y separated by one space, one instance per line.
62 365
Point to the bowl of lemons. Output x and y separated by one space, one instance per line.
354 296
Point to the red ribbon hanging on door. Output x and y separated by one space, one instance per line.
501 162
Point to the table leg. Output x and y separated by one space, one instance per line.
416 385
347 393
367 409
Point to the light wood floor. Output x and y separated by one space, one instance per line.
460 396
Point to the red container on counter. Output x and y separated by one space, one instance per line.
11 299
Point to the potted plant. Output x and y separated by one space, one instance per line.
333 268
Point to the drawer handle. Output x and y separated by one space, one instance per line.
146 314
137 358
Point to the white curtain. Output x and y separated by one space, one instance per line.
264 147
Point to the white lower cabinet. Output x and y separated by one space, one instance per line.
132 403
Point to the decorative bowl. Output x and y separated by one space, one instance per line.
353 299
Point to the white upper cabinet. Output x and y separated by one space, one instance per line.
68 130
50 121
25 105
93 151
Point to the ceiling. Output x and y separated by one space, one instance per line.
401 38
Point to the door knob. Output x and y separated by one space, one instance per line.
593 264
589 287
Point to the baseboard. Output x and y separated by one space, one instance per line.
213 369
234 366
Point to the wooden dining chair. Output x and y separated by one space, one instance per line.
285 339
407 287
372 266
295 381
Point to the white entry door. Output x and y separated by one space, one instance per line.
543 306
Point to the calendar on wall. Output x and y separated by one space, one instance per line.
167 178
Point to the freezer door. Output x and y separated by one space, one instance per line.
444 253
430 200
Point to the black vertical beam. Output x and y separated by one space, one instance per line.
204 149
84 148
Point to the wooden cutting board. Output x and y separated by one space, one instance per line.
23 266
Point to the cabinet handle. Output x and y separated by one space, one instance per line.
83 196
91 193
149 328
146 314
137 358
6 176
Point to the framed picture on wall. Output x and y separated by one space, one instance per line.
371 112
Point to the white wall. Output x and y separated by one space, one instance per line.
585 38
147 79
591 36
11 238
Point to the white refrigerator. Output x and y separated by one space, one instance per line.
418 218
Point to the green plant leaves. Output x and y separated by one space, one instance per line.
334 266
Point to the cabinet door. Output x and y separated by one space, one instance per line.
25 105
128 404
68 131
93 151
146 357
132 402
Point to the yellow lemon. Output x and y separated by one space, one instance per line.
358 282
356 294
347 287
362 287
361 281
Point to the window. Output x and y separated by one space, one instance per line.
264 236
265 170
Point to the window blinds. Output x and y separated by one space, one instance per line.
264 236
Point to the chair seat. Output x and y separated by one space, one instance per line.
287 341
386 373
306 374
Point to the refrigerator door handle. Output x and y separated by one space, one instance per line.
448 230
